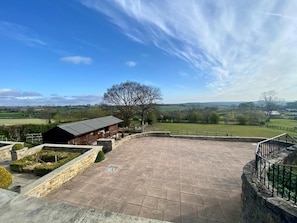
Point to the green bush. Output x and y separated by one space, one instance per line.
45 168
18 165
100 157
17 146
242 120
30 145
5 178
46 158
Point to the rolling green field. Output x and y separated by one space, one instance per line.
11 115
22 121
219 130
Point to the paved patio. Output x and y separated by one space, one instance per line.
171 179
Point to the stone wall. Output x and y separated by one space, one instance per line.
19 154
168 134
56 178
222 138
5 152
257 204
291 159
5 149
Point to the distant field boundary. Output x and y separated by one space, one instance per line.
294 129
217 130
22 121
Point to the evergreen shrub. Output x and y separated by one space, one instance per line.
5 178
100 157
17 146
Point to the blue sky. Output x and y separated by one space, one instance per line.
63 52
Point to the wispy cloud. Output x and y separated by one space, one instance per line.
180 86
88 44
183 74
75 99
77 59
131 63
20 33
294 18
10 97
239 47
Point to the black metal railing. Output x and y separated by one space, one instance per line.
278 178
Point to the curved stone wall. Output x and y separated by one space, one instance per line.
258 206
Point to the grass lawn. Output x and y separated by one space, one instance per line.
23 121
290 123
219 129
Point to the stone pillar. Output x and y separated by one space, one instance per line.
107 144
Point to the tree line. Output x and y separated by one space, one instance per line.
141 103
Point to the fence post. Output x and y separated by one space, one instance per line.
295 197
273 168
277 179
290 183
283 182
256 165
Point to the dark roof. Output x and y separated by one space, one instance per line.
82 127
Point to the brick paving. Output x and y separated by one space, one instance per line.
170 179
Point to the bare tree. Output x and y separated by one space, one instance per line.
147 97
131 98
123 96
270 100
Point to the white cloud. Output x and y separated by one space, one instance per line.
20 33
131 63
77 60
9 97
7 93
241 48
